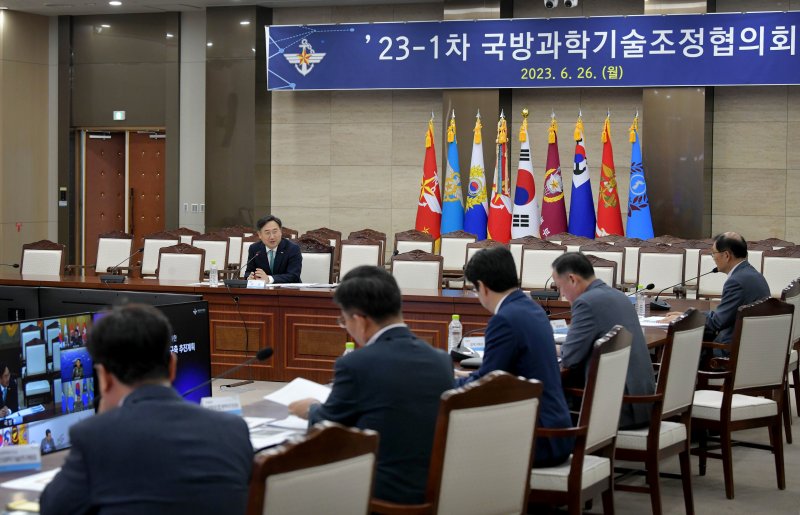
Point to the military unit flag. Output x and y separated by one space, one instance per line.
429 205
453 201
581 205
554 210
640 223
477 212
525 215
499 226
609 218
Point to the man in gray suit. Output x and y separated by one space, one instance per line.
596 308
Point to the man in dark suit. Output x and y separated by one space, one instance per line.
596 308
519 340
273 259
391 384
148 450
8 392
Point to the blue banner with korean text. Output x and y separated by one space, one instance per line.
673 50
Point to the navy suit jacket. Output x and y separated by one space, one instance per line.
594 313
155 454
287 265
519 340
392 386
744 286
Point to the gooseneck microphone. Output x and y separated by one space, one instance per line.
461 352
12 265
545 293
261 355
645 288
112 278
661 305
236 282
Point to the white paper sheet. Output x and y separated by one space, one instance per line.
35 482
291 422
656 321
299 389
265 436
253 422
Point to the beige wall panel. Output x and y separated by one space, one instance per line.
536 9
793 229
408 144
360 186
750 104
794 102
751 227
304 218
291 183
792 192
750 145
301 144
759 190
359 14
301 107
363 107
291 16
19 37
348 219
361 143
406 185
793 145
403 219
736 6
415 106
12 241
418 12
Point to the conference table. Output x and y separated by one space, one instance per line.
300 324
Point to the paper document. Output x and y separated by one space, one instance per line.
291 422
265 436
34 482
253 422
299 389
656 321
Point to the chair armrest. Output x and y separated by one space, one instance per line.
716 345
636 399
391 508
577 392
560 432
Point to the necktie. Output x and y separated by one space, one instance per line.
271 256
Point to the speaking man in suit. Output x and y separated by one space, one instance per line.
596 308
148 450
8 392
273 259
519 340
391 384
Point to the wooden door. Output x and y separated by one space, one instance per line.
104 189
146 184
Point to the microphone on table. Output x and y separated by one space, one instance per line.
12 265
662 305
261 355
236 282
112 278
645 288
461 352
545 293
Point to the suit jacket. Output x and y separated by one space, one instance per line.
594 313
519 340
155 454
287 264
743 286
393 387
12 397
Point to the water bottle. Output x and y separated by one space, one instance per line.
213 274
349 347
641 304
454 333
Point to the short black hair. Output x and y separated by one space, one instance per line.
3 367
132 342
267 219
574 263
47 432
494 267
370 291
732 242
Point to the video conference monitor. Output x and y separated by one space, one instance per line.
65 301
52 383
18 303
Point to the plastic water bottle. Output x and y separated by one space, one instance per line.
349 347
454 333
641 304
213 274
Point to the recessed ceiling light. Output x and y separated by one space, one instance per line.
115 3
106 26
169 35
209 44
244 22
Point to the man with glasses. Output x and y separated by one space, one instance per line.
273 259
391 384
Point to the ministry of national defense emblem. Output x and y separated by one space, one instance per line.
304 61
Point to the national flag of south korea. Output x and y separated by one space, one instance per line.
525 217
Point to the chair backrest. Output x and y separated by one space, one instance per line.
185 235
153 244
484 426
370 234
613 239
558 238
755 253
244 252
216 247
181 262
357 252
413 240
773 243
317 260
760 344
418 270
666 239
332 236
605 384
454 249
36 357
328 471
692 248
791 295
235 236
113 249
286 232
43 257
537 263
679 362
780 267
515 246
607 251
662 265
574 243
632 247
604 269
708 285
474 247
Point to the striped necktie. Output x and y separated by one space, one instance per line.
271 256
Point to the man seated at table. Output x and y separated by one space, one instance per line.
148 450
596 308
273 259
519 340
391 384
